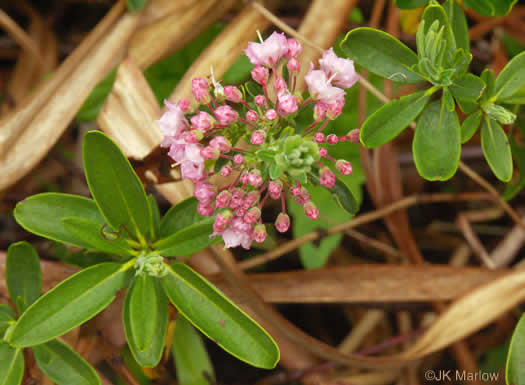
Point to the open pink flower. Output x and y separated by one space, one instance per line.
269 51
172 123
321 89
287 104
342 70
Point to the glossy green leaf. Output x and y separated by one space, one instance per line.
513 188
469 88
218 318
117 190
155 217
145 315
42 214
388 121
63 365
189 353
511 79
275 171
410 4
515 370
448 99
7 316
381 54
470 126
92 233
496 149
488 78
437 142
69 304
23 275
483 7
344 197
11 365
458 22
187 241
180 216
434 12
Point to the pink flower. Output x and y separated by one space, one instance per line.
193 171
259 100
223 199
236 199
327 177
344 167
199 89
252 215
279 85
293 65
311 211
238 159
190 159
193 136
185 106
205 210
332 139
260 74
323 151
294 48
202 121
320 111
354 135
255 179
274 189
226 115
172 123
257 137
250 199
259 233
221 143
226 171
319 137
252 116
335 109
321 89
270 114
282 223
232 94
341 71
222 220
268 52
204 192
234 238
210 153
287 104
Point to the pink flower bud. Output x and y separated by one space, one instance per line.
250 199
222 220
287 104
259 100
226 171
344 138
320 111
185 106
252 116
236 199
294 48
232 94
282 223
302 197
335 109
240 212
205 210
259 233
270 114
319 137
279 85
202 121
344 167
323 151
311 211
244 178
327 177
204 192
255 179
223 199
258 137
260 74
226 115
194 136
238 159
332 139
354 135
252 215
295 191
293 66
210 153
221 143
274 189
199 88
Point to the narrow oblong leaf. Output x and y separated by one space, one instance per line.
145 316
468 87
470 126
437 142
496 149
41 214
458 22
515 370
344 197
155 217
68 305
448 99
388 121
190 355
115 186
23 275
218 318
511 78
180 216
63 365
434 12
483 7
92 233
7 316
381 54
11 365
187 241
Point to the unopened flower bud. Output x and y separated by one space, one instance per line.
499 113
226 115
194 136
185 106
275 189
354 135
238 159
327 177
204 192
255 179
205 210
258 137
252 215
250 199
260 74
323 151
223 199
319 137
199 88
331 139
287 104
222 220
270 114
282 223
236 199
252 116
293 66
202 121
311 211
210 153
221 143
226 171
335 109
259 233
302 197
344 167
294 48
232 94
320 111
279 85
259 100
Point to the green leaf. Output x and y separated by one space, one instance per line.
190 355
7 316
135 5
145 316
92 234
23 275
488 78
511 78
117 190
458 22
483 7
468 88
448 99
155 217
11 365
496 149
218 318
275 171
180 216
515 370
42 214
388 121
518 153
96 99
63 365
266 155
410 4
437 142
470 126
381 54
434 12
187 241
68 305
344 197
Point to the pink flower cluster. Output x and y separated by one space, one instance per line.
269 160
